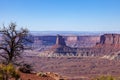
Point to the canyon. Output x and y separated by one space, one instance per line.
79 41
75 57
78 57
72 45
70 40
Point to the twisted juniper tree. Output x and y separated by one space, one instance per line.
12 43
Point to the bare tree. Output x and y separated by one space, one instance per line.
12 43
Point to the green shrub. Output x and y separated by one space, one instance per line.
15 75
26 68
1 76
8 71
105 78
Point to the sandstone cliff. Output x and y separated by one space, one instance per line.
60 46
59 49
109 44
110 39
82 41
60 40
71 41
106 44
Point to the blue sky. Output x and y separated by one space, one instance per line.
62 15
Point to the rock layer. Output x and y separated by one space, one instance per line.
82 41
110 39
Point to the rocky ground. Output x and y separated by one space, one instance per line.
25 76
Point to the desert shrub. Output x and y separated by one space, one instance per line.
41 74
8 71
1 76
26 68
104 78
15 75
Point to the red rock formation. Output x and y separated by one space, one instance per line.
110 39
108 44
82 41
60 46
60 40
72 38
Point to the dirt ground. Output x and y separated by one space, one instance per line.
25 76
75 67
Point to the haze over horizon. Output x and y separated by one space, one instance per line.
62 15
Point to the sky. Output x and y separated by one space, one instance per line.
62 15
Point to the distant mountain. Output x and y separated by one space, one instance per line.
77 33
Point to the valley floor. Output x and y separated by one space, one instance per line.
75 67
